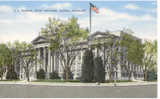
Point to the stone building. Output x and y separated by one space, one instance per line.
49 60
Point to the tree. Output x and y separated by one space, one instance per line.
87 66
16 47
22 54
99 70
110 48
150 58
5 59
113 55
11 56
27 58
134 52
66 37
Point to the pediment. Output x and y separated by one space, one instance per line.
40 39
101 35
98 35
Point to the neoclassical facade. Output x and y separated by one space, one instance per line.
49 60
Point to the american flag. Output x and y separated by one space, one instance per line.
94 8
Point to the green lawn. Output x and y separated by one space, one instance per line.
74 81
9 80
56 80
107 81
152 80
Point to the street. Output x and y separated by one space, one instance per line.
45 91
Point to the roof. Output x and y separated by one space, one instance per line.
37 39
96 35
99 34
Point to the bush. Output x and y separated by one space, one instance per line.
11 75
87 67
54 75
99 70
151 75
41 74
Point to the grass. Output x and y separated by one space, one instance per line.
76 81
107 81
152 80
56 80
10 80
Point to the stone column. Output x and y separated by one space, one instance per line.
52 62
81 62
81 53
75 66
49 60
96 52
38 60
58 63
35 67
119 71
21 70
59 66
55 62
44 59
45 66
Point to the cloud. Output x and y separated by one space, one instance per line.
154 3
144 26
136 7
113 15
132 7
5 9
25 26
154 10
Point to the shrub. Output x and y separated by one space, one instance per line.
151 75
87 67
11 75
41 74
99 70
54 75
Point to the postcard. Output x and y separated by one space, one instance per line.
78 49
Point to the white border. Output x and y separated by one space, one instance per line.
83 0
158 35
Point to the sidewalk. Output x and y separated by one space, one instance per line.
78 84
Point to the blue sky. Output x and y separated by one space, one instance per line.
139 16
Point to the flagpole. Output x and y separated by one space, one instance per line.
90 17
89 47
